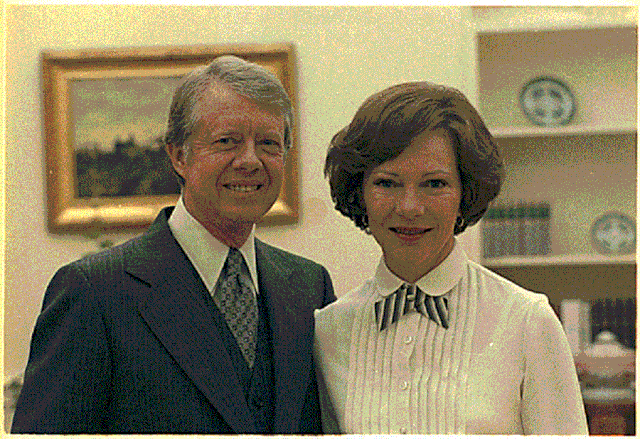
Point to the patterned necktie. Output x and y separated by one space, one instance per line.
238 304
411 298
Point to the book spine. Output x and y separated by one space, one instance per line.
545 229
536 229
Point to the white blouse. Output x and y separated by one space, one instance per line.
502 367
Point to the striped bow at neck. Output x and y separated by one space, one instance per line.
411 298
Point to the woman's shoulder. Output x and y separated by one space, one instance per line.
508 311
494 287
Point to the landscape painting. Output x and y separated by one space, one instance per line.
105 118
117 136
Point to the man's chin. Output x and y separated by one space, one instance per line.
246 215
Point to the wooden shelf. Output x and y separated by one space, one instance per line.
580 281
522 19
567 130
582 169
560 260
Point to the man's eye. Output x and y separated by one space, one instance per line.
384 183
224 140
271 146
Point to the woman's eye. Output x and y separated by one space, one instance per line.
435 184
384 183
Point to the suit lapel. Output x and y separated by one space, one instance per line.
291 321
176 309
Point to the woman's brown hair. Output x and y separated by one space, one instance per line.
383 128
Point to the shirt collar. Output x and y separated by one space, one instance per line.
206 253
437 282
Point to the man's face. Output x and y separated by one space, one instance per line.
233 163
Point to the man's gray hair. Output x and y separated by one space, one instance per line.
245 78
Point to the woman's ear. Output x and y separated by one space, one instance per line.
177 156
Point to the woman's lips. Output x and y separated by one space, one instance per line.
409 234
408 230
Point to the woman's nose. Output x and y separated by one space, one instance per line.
409 204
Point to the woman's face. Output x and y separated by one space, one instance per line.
412 203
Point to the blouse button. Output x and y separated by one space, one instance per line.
408 339
403 430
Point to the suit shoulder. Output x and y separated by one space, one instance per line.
149 245
105 263
105 256
286 256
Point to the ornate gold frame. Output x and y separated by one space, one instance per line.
70 213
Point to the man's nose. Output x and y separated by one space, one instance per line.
247 158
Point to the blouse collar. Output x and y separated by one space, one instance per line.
437 282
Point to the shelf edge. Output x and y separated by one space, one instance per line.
577 259
502 132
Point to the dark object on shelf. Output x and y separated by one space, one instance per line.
615 315
611 417
607 377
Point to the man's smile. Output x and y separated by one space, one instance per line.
243 188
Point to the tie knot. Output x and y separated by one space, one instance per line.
411 298
234 262
409 290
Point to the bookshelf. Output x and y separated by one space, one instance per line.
583 169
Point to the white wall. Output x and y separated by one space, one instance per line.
343 54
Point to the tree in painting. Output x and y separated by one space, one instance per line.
129 169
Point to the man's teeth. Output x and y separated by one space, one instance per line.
239 188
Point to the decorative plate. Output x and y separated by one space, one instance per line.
547 102
614 233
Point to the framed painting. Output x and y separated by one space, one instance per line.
104 117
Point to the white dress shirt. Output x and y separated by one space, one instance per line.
503 367
206 253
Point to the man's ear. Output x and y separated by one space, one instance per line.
177 156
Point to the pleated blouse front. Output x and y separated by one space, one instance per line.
417 377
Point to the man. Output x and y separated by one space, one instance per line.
164 335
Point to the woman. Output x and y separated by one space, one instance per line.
434 343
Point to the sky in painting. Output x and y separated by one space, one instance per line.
110 108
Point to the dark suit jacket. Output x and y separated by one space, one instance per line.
129 340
